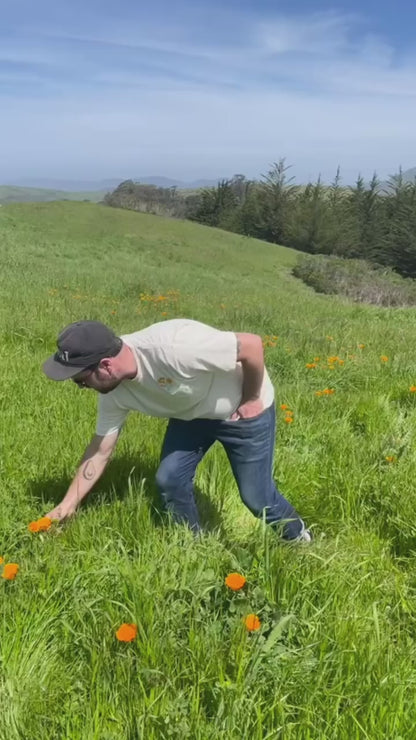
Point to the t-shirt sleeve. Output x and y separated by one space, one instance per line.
110 417
197 346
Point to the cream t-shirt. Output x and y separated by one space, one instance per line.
186 370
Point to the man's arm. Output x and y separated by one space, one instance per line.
251 355
91 468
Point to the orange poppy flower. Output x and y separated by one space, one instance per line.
310 365
412 389
284 406
289 419
328 391
316 359
1 560
361 346
235 581
40 525
319 393
384 358
252 623
127 632
10 571
391 458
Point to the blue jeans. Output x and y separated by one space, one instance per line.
249 444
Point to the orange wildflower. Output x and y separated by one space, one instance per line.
289 419
316 359
1 560
235 581
328 391
391 458
310 365
384 358
252 623
284 406
412 389
40 525
127 632
361 346
329 338
10 571
319 393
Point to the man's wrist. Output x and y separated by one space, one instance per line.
249 399
70 502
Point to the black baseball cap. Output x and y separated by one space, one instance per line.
81 345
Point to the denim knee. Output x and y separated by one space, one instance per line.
168 475
163 477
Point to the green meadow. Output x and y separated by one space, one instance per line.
335 657
16 194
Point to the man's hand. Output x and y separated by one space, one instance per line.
62 512
248 410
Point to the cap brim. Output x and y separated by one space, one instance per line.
56 371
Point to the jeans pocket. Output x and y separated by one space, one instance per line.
243 421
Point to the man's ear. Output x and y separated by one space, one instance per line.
106 364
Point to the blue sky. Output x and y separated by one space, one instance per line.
90 89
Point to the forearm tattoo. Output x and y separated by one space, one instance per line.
89 470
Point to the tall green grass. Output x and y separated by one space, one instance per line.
335 657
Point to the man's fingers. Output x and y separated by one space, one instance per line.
55 515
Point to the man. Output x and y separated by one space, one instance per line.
211 384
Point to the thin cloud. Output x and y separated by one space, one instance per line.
315 34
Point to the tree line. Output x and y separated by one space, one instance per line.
366 221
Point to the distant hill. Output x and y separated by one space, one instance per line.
410 175
109 184
166 182
13 194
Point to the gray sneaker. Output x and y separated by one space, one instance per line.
305 535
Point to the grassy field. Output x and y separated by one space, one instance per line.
14 194
335 657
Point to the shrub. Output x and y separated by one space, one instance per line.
357 279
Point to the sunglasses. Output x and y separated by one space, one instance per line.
80 382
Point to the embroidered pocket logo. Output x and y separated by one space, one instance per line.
164 381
